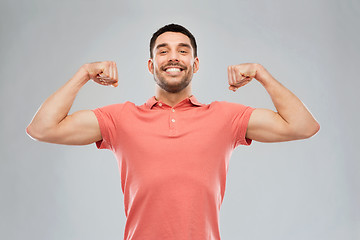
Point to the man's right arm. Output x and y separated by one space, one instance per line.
52 123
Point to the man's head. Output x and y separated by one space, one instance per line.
173 57
173 28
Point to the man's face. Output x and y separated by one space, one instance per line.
173 62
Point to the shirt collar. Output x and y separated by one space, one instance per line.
192 100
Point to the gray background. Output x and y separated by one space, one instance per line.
308 189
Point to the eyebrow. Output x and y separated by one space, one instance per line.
165 45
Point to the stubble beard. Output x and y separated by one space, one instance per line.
165 82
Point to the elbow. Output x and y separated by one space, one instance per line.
314 129
317 128
310 130
41 134
33 133
30 132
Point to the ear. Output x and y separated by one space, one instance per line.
196 64
151 66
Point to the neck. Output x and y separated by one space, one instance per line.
172 99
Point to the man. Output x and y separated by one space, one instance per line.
173 151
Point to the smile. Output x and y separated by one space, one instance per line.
173 70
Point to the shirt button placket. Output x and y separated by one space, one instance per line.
172 122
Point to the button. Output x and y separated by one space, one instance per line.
173 110
173 120
160 104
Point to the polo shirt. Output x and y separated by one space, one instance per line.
173 163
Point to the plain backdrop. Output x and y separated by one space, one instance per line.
300 190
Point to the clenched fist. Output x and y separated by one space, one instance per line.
241 74
104 73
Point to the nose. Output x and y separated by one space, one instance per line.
173 56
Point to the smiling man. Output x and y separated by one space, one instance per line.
173 63
173 152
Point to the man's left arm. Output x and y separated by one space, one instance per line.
292 121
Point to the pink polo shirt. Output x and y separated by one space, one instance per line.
173 163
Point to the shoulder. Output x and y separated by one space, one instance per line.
232 109
228 105
116 107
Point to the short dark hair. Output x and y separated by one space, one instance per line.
173 28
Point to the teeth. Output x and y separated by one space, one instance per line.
173 70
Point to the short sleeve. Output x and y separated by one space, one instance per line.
239 116
109 119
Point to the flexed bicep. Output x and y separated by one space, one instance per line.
80 128
268 126
52 123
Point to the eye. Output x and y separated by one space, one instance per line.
163 51
183 51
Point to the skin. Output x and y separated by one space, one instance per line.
292 121
52 123
176 50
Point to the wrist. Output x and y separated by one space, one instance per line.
83 75
262 75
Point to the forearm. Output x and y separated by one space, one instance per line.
57 106
288 106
